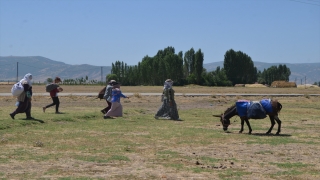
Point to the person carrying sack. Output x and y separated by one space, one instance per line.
24 99
108 95
54 96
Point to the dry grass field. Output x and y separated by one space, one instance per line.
179 89
80 144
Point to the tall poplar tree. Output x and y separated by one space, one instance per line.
189 58
239 67
198 65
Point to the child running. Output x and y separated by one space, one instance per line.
54 96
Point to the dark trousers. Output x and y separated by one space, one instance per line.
55 101
107 108
24 107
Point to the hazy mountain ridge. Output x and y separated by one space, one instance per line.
43 68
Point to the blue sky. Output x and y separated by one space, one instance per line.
100 32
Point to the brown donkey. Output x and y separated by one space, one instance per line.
232 111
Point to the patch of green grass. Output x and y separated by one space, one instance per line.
4 160
167 152
21 154
78 178
314 172
63 119
264 152
209 160
175 166
283 174
232 174
89 116
292 165
101 158
97 159
4 126
53 170
118 158
27 122
273 140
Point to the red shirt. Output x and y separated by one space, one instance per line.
54 93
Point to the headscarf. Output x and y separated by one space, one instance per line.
115 85
28 78
168 84
111 82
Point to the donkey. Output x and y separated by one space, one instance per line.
232 111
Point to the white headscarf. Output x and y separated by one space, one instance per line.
28 78
168 84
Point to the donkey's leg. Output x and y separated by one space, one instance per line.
272 124
242 123
279 124
248 124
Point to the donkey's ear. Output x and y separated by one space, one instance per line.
216 115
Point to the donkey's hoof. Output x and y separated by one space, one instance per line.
240 131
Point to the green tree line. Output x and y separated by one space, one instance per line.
187 68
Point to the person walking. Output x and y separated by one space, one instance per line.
24 99
107 96
168 109
116 107
54 96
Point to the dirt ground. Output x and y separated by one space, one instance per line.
252 158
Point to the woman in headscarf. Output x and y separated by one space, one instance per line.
28 78
24 98
168 109
116 107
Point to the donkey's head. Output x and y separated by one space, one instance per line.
225 117
225 121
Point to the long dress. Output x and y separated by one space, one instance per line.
24 102
116 107
168 109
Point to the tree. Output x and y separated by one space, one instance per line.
216 78
110 77
239 67
198 65
274 73
189 58
49 80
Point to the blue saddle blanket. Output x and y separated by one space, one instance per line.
242 107
254 109
266 104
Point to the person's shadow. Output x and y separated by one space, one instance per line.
34 119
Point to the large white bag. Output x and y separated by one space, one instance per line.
17 89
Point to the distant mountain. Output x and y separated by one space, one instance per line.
299 72
42 68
